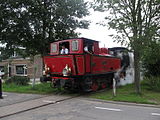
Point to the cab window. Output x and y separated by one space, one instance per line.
54 48
75 45
88 47
64 48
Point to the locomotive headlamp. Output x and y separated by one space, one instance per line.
46 70
66 71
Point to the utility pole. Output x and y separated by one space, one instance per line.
114 87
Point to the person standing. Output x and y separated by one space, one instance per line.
88 49
1 97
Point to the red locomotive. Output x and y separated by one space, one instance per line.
79 64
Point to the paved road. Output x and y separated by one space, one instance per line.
12 98
83 109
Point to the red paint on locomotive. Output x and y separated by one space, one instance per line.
80 69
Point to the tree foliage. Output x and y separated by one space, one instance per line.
33 24
130 18
151 59
137 24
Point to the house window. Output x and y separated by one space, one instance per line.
75 45
53 48
21 69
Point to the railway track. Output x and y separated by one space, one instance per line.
21 107
24 106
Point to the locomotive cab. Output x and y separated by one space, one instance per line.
79 64
75 46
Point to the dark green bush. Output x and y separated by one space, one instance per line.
18 80
152 83
151 59
152 69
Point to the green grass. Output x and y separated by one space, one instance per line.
43 88
124 93
127 94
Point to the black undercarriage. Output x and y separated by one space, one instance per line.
81 83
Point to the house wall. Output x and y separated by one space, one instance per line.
34 65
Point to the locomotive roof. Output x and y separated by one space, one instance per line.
118 48
82 38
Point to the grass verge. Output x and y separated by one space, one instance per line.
43 88
124 93
127 94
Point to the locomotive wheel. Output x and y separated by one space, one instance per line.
94 86
103 85
86 84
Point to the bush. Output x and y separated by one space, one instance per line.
152 83
151 59
18 80
152 69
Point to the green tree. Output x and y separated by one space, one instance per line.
151 59
136 22
33 24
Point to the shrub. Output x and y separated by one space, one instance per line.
153 83
151 59
18 80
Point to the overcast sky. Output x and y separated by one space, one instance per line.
97 32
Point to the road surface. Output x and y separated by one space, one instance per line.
80 108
